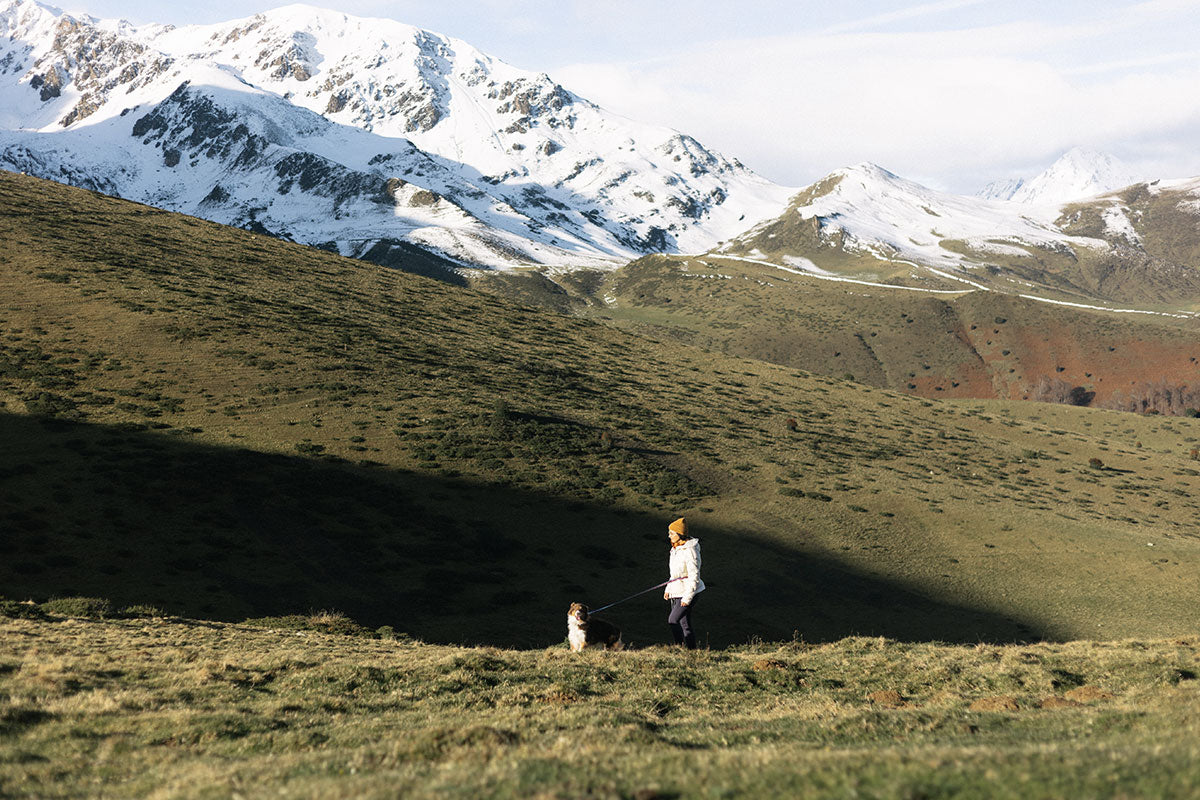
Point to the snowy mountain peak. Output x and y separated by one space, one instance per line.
1002 189
868 170
873 213
347 132
1077 174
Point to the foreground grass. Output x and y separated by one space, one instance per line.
164 708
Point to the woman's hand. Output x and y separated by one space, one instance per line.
665 596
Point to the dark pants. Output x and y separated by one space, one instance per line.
680 621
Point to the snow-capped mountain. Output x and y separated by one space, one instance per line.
1140 244
1077 174
869 211
356 133
1001 189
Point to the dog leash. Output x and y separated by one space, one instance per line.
643 591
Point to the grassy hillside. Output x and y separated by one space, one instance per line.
973 344
186 709
224 425
1166 226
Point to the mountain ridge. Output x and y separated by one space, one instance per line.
543 176
866 223
380 140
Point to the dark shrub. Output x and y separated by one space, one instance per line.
18 610
140 611
91 607
322 621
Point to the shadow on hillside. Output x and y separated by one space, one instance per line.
407 257
214 532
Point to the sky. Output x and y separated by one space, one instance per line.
951 93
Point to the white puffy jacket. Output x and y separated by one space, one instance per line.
685 564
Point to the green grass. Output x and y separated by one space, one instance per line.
226 426
182 708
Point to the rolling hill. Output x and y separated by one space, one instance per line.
227 425
935 344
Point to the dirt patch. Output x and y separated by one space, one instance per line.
1000 703
1088 694
889 698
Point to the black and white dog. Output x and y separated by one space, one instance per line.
583 631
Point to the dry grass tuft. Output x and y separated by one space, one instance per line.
1058 702
259 711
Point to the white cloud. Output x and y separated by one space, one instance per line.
956 108
903 14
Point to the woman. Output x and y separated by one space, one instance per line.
685 582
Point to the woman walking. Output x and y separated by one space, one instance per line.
685 582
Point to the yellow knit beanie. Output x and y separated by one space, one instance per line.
679 526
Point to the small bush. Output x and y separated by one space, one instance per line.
790 491
18 610
140 611
322 621
1095 463
49 404
91 607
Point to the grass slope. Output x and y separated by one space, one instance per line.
224 425
975 344
187 709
